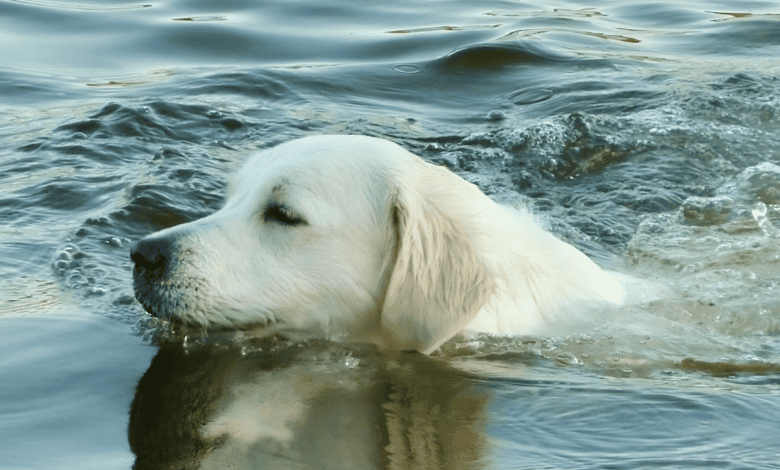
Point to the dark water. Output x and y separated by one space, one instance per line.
646 134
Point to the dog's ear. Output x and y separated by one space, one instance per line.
438 282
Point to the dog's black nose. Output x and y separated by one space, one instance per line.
150 253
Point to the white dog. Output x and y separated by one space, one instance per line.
355 237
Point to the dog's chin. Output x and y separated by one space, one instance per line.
168 311
155 309
183 319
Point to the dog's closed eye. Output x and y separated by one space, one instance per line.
277 213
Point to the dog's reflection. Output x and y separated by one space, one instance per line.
315 405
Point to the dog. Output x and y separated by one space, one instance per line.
355 238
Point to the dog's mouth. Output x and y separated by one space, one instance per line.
180 301
151 303
166 297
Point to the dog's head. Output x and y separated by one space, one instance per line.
335 235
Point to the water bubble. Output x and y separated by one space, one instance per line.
76 279
530 96
496 115
113 241
407 68
73 251
96 291
567 359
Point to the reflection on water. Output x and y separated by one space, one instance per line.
314 405
273 404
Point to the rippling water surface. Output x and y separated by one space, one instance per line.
644 133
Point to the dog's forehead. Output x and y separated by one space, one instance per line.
332 167
336 154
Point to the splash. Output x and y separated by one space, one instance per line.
759 213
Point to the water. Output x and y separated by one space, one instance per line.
646 134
